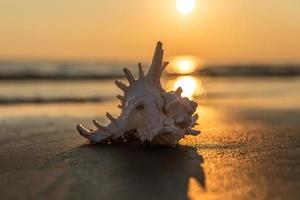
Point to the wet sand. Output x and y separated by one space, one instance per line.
249 149
242 154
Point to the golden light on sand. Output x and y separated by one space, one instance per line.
185 6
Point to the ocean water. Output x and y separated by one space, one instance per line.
255 91
69 82
61 70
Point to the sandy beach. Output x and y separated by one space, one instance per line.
248 149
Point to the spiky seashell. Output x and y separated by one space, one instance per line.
149 114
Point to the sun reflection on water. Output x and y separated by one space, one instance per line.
185 65
190 85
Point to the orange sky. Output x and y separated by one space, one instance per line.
217 30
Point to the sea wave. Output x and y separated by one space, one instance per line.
10 70
47 100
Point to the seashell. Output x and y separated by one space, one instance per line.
149 114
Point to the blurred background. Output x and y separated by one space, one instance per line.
62 51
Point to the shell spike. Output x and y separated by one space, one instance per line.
110 117
121 98
121 85
121 107
192 131
98 125
141 71
196 116
83 131
194 119
178 91
155 70
128 75
164 64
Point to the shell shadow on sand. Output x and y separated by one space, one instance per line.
133 172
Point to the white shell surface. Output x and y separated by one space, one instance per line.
149 114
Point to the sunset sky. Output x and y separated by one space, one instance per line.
127 30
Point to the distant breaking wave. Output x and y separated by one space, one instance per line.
86 71
251 70
58 70
47 100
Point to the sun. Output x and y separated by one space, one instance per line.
185 6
